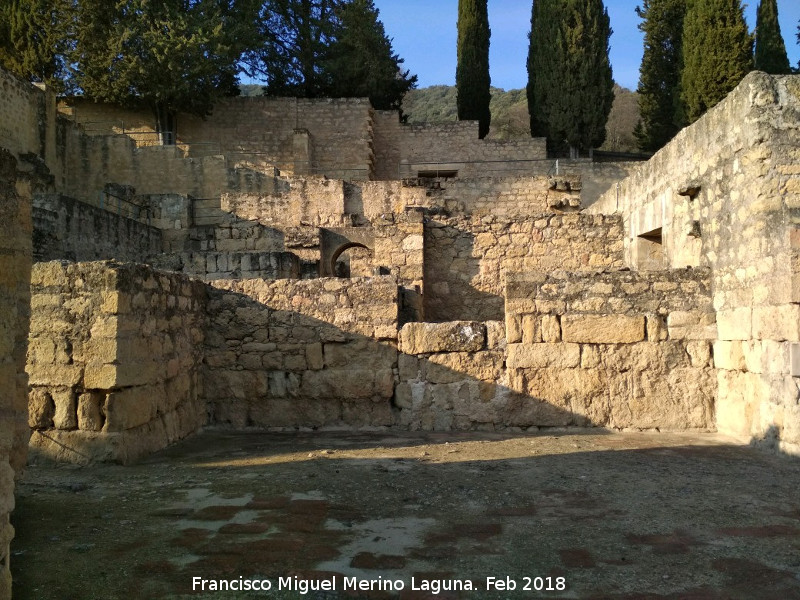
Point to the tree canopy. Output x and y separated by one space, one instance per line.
717 53
570 84
473 81
660 72
770 53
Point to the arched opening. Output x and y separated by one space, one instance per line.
352 260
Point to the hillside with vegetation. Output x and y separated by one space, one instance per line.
510 118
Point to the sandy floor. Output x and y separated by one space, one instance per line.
601 515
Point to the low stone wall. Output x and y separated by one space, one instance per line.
231 265
65 228
286 354
114 360
15 276
468 259
615 349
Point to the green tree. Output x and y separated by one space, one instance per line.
174 55
770 55
34 37
717 53
660 72
360 61
472 73
570 84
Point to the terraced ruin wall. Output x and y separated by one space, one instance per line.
114 360
15 296
725 194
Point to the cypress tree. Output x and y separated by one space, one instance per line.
770 50
472 73
570 85
660 73
717 53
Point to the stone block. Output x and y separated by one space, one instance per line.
734 324
728 355
692 325
314 357
656 328
540 356
778 323
699 352
65 416
453 336
41 409
551 329
132 407
531 329
513 329
603 329
90 411
495 335
408 367
452 367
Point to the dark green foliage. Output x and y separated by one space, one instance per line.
570 85
316 48
660 73
34 37
717 53
360 61
472 73
770 55
175 55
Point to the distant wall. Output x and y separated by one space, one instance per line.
467 259
114 361
302 353
15 305
69 229
725 194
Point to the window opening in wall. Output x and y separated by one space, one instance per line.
437 174
650 251
353 260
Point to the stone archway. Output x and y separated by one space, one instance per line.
335 241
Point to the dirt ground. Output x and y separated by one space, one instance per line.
623 516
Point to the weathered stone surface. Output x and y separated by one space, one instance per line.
455 336
603 329
538 356
692 325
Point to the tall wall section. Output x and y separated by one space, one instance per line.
15 276
725 194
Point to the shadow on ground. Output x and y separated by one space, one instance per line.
623 516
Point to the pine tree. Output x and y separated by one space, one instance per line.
770 54
660 72
472 73
360 61
717 53
570 84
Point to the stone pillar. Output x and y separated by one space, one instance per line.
15 279
302 150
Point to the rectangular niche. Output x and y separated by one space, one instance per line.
650 251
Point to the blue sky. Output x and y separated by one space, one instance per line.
424 34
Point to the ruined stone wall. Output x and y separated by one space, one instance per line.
724 194
15 276
612 348
301 353
467 259
211 265
69 229
27 119
402 151
114 360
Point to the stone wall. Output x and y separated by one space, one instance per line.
725 194
403 151
69 229
15 276
612 348
114 360
467 259
302 353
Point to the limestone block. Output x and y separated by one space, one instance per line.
495 335
551 329
129 408
453 336
777 323
734 324
513 328
729 355
767 356
699 352
531 329
314 357
692 325
65 416
452 367
656 328
41 409
90 416
55 375
338 384
540 356
603 329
